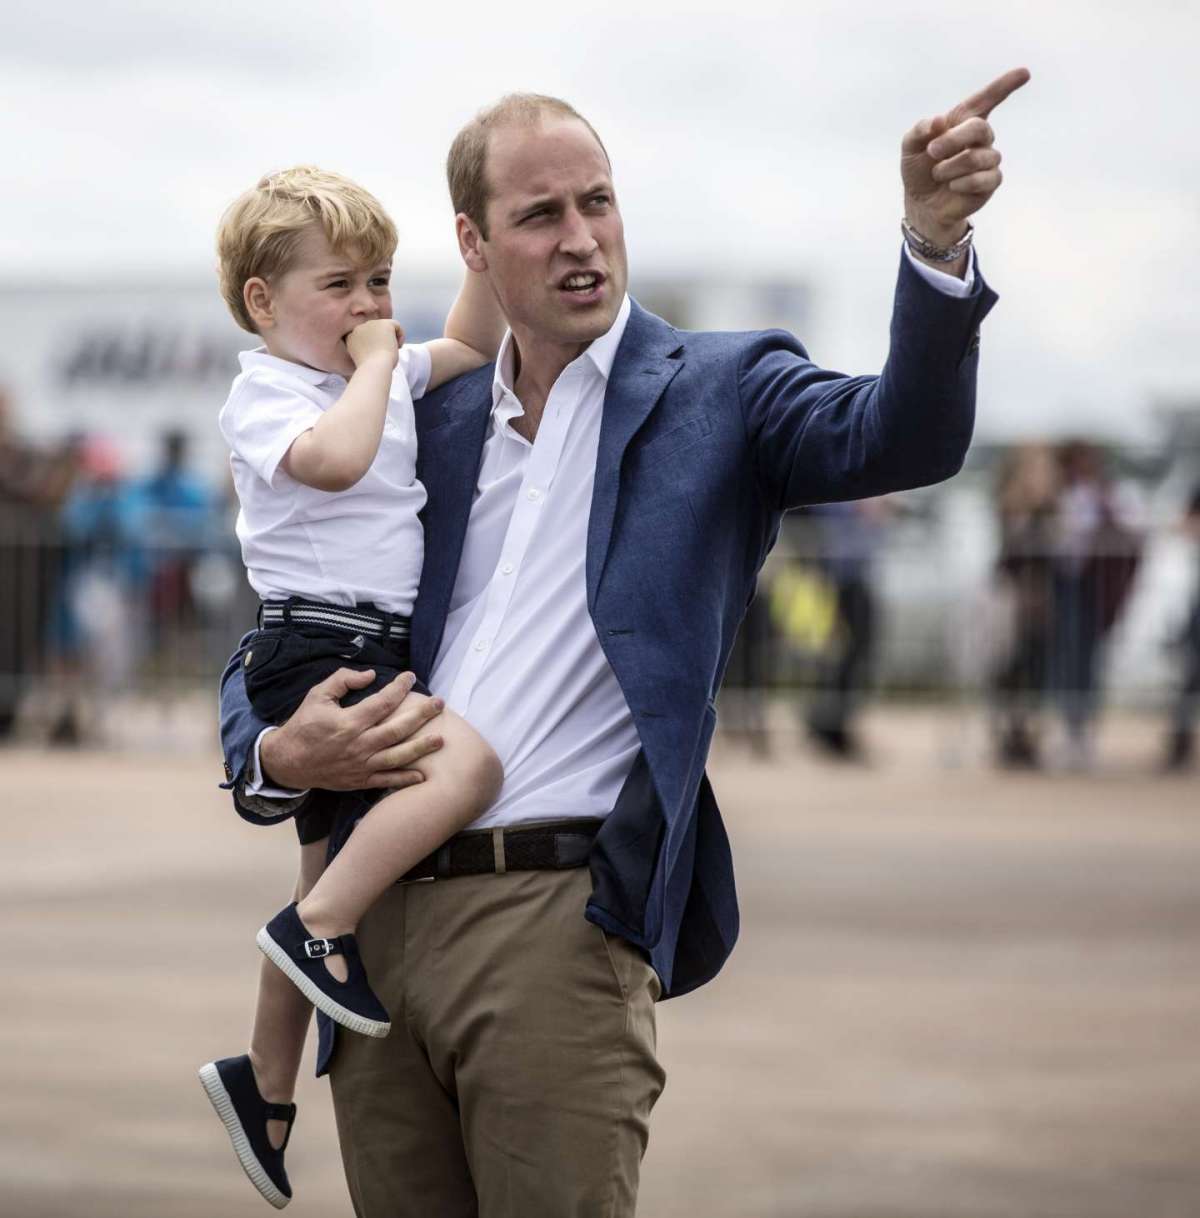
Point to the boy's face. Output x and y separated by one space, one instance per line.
305 314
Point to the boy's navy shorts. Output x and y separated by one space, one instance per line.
282 663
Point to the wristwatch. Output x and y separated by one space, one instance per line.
937 253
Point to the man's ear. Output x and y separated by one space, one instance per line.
471 244
256 296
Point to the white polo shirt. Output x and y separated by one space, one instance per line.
344 547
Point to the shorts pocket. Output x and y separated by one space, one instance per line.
278 673
261 651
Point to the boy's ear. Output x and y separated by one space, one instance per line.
256 295
471 244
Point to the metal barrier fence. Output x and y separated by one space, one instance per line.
928 610
88 617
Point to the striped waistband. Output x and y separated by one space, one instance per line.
359 620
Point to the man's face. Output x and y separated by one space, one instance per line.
555 251
319 299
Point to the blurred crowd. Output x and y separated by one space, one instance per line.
1070 546
1070 541
111 577
99 572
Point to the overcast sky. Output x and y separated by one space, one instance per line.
749 136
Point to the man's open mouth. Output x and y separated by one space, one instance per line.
581 283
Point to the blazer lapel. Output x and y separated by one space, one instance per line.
642 370
448 455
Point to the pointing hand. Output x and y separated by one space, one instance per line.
949 164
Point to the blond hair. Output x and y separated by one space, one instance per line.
260 230
466 164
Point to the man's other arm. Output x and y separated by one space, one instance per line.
819 435
371 745
241 729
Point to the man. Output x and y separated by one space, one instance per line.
599 505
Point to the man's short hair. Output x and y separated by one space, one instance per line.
260 230
466 164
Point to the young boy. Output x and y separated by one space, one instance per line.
320 424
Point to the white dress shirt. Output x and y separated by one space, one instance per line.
519 659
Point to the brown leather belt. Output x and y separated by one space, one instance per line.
548 846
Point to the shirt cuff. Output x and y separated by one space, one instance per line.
253 780
951 285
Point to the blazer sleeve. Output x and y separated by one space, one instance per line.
820 436
240 728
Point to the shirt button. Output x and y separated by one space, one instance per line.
507 569
481 644
533 496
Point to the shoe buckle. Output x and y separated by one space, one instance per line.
314 949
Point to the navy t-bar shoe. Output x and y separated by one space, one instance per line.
286 942
233 1092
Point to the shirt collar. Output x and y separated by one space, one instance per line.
260 357
600 353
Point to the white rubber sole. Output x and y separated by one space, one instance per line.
338 1013
210 1080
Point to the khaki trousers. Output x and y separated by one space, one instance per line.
520 1071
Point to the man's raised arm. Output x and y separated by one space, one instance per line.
820 436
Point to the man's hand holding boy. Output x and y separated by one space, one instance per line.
349 748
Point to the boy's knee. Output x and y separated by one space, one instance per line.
468 761
488 773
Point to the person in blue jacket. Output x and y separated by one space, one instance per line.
600 501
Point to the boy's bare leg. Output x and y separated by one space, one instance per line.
282 1014
461 781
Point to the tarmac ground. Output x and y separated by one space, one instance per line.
958 993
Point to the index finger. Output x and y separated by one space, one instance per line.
989 97
384 702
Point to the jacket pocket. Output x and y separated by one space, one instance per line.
669 443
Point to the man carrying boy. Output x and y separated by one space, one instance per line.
599 505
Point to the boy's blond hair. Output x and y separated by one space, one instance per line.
259 232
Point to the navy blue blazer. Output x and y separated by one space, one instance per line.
706 440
